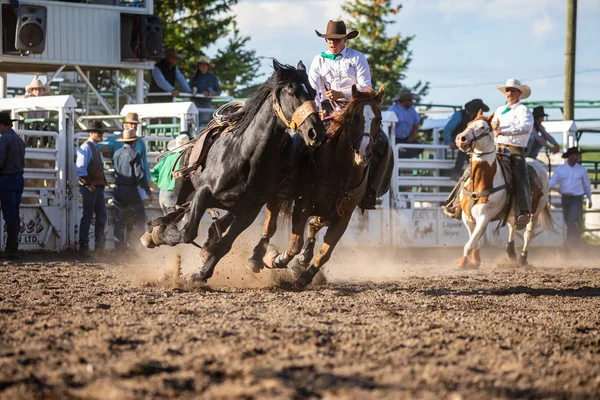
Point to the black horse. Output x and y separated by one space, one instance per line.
245 164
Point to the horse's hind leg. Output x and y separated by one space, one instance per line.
510 246
527 237
332 237
241 221
255 262
300 263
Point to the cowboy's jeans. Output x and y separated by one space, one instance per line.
572 207
93 203
11 190
522 188
129 213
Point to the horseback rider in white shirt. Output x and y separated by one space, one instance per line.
512 125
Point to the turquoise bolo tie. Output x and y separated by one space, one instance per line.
507 109
332 57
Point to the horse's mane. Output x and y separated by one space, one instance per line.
341 120
284 75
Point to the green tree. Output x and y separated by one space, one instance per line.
388 57
236 66
192 25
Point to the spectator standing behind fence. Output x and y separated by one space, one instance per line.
572 181
110 146
12 163
128 204
36 89
164 77
457 124
205 83
90 173
161 173
539 137
407 126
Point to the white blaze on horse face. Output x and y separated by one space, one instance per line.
368 115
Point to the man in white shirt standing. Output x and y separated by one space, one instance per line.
333 72
512 124
572 181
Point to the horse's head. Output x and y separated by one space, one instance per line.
294 104
478 136
360 122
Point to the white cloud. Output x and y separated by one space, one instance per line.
493 9
542 26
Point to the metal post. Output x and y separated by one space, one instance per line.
87 94
103 102
570 60
55 75
3 84
139 86
117 91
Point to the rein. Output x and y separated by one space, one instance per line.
300 115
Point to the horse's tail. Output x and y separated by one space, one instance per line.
546 219
285 210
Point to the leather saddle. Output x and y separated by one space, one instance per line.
197 149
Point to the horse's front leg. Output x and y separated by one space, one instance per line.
332 237
274 259
300 263
529 229
472 244
255 262
221 225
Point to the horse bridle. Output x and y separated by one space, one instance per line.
306 109
475 139
359 139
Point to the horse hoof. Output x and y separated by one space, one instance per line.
306 278
296 268
523 261
254 265
462 263
199 278
269 259
155 235
147 241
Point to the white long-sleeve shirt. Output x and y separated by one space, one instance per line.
571 181
515 125
351 68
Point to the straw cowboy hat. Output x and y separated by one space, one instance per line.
97 126
406 94
205 60
5 118
539 112
37 84
571 150
337 30
475 105
132 118
129 135
514 83
179 141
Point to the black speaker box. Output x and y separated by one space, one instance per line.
31 29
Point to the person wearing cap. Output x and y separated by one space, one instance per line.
161 173
110 146
36 89
512 124
90 174
164 76
539 136
129 174
457 124
572 181
407 126
333 72
12 165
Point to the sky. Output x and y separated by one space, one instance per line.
463 48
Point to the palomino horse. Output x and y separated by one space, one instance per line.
330 188
484 197
244 164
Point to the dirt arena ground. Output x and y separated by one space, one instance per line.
385 326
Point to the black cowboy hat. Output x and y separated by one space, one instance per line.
539 112
5 118
572 150
337 30
97 126
475 105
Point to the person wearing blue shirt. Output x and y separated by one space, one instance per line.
457 124
407 126
12 166
164 76
90 174
110 146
